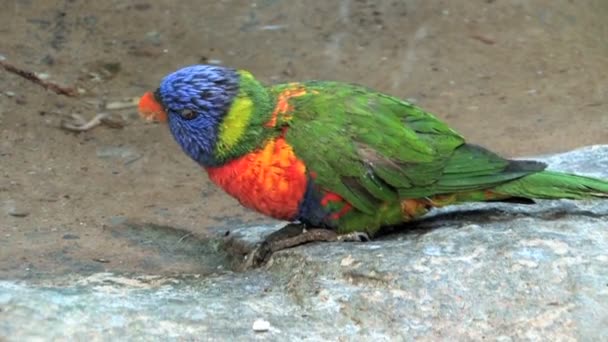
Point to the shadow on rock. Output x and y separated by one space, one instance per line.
168 250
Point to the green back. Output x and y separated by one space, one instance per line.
371 148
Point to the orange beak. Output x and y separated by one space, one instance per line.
150 109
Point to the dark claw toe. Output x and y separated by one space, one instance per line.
355 237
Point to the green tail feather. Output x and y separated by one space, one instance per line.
554 185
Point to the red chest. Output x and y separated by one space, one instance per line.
271 181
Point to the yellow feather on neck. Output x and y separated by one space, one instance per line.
234 124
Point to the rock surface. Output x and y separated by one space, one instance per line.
473 272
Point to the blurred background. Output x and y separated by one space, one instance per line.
522 77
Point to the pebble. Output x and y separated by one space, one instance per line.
12 209
18 213
272 27
347 261
116 152
261 325
153 37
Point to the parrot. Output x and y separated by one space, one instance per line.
338 157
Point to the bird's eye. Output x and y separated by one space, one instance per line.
187 114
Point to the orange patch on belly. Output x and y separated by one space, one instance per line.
271 181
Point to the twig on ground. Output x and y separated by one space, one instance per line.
81 125
483 39
31 76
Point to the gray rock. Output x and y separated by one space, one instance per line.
472 272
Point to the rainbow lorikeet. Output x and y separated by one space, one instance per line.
338 156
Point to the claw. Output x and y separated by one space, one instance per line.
293 235
354 237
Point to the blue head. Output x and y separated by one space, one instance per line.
195 99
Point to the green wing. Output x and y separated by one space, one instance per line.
371 148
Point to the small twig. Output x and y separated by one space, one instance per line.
183 237
31 76
483 39
593 104
101 260
81 125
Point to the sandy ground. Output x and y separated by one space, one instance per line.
520 77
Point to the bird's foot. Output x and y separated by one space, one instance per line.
291 235
354 237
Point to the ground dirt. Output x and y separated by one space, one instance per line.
520 77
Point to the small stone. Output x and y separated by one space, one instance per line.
272 27
153 37
261 325
18 212
349 260
116 152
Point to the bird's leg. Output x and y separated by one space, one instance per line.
291 235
